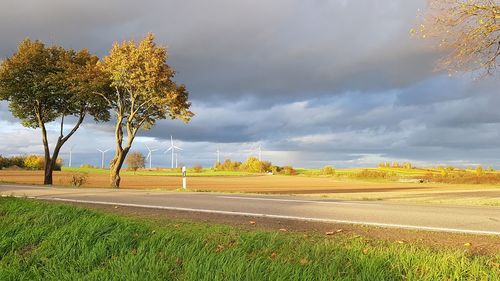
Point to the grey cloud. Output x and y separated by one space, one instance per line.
314 82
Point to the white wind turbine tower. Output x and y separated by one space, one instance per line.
70 154
218 155
102 158
172 148
150 154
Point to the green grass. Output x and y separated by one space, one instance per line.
42 241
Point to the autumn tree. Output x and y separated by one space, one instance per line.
43 84
468 30
143 92
135 160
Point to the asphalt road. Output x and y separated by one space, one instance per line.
440 218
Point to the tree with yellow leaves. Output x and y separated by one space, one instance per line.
468 30
45 83
143 92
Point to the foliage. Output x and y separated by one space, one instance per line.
405 165
197 168
43 83
468 30
254 165
373 174
479 170
288 170
78 179
328 170
144 92
34 162
87 166
135 160
42 241
464 177
30 162
17 161
227 165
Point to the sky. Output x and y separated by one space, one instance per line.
313 83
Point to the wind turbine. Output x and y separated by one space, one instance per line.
70 152
150 155
172 148
102 158
218 155
260 153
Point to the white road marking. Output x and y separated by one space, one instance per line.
295 200
386 225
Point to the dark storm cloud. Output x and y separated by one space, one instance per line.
275 50
314 82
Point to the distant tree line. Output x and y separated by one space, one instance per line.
405 165
254 165
28 162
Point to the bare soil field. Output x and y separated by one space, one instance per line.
254 184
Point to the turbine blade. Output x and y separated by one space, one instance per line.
176 147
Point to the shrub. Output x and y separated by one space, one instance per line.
328 170
16 161
227 165
134 161
252 165
34 162
288 170
371 174
78 179
463 177
197 168
87 166
479 170
37 162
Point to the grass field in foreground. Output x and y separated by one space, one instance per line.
43 241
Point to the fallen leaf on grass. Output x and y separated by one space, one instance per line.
329 233
116 207
400 242
273 255
219 248
495 264
283 229
467 244
339 230
251 222
304 261
365 251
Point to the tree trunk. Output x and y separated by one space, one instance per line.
116 165
47 176
50 162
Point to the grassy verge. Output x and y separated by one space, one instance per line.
42 241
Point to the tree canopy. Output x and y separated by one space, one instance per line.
467 30
44 83
143 92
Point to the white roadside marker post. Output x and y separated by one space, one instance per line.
184 177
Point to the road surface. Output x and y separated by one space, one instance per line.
440 218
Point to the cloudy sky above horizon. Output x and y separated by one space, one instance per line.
314 83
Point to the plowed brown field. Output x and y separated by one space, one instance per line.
259 183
